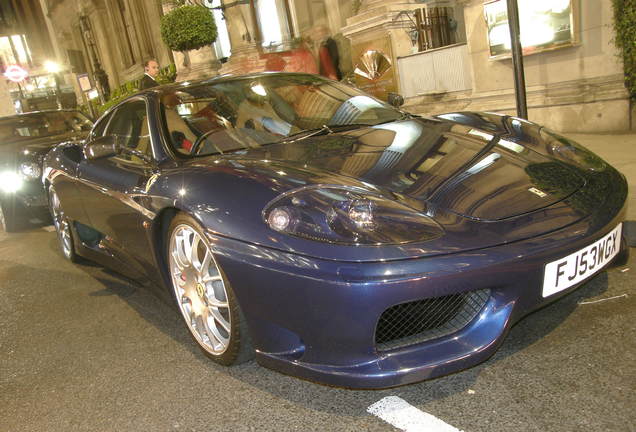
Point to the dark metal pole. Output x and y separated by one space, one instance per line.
517 59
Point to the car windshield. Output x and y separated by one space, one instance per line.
27 126
236 115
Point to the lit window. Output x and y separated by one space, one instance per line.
6 53
19 43
14 50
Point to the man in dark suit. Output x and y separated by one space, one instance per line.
151 70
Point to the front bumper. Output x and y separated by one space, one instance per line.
316 319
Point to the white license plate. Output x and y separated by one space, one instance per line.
572 269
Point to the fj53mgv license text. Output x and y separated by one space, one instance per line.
570 270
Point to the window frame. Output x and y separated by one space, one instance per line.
104 120
111 115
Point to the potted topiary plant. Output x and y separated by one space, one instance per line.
188 26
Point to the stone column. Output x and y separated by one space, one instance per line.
153 11
242 30
140 17
334 17
102 30
50 30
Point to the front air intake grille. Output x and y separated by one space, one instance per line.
414 322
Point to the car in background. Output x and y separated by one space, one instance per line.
24 140
329 234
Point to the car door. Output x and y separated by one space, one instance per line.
114 189
67 185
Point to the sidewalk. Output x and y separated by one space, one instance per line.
619 150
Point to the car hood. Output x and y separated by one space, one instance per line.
467 170
35 146
484 186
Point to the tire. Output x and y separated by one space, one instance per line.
204 296
62 227
8 219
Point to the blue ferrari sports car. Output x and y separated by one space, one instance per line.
333 236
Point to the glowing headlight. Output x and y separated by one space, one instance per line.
347 215
279 219
10 181
31 170
361 213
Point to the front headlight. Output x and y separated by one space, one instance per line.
31 170
569 151
347 215
10 181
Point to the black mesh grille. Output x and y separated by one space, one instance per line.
414 322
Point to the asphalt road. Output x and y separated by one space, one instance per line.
83 349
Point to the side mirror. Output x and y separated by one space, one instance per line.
396 99
102 147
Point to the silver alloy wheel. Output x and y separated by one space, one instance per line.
61 225
200 290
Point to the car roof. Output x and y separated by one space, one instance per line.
30 113
172 87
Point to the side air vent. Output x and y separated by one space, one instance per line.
415 322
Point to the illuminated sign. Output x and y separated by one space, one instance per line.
84 82
545 25
15 73
374 72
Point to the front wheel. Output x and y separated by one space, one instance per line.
204 296
62 227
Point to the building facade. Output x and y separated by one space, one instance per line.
105 41
25 47
260 35
441 55
574 75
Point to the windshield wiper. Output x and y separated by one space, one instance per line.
324 130
306 134
330 129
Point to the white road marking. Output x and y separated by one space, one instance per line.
404 416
